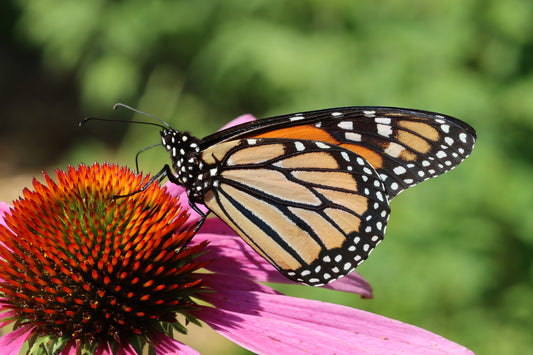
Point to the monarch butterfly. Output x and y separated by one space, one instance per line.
310 191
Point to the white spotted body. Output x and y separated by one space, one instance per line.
192 174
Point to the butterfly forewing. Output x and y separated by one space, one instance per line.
313 210
404 146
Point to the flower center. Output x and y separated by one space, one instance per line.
78 264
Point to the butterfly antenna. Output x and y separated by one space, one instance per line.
116 106
85 120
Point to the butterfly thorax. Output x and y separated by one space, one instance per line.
191 173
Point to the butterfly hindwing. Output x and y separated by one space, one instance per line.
313 210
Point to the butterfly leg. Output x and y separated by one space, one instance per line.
163 173
199 224
167 172
203 216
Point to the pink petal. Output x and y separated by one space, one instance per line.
70 348
4 207
239 120
177 190
8 313
126 349
12 342
352 283
232 256
268 336
220 282
165 345
261 322
104 349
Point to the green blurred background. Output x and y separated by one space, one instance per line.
457 259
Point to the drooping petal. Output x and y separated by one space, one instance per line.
104 349
232 256
126 349
267 336
269 324
226 282
12 342
352 283
165 345
7 313
71 347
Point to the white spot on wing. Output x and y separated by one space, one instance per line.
449 140
384 120
384 130
347 125
356 137
399 170
299 146
296 118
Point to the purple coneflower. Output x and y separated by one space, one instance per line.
83 273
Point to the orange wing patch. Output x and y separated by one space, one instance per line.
317 134
300 132
370 156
